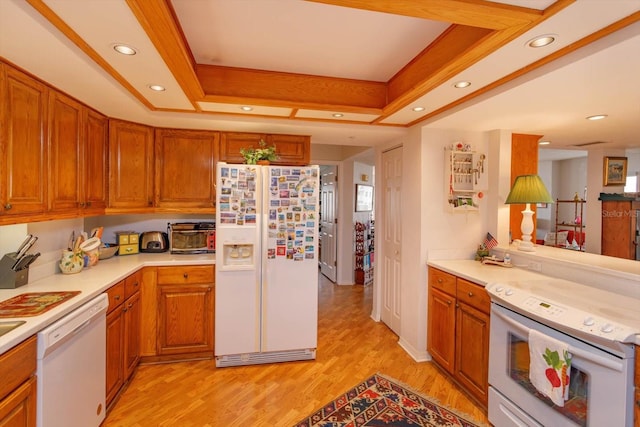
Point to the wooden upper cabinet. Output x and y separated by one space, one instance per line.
66 152
232 142
291 149
130 165
185 168
23 146
96 180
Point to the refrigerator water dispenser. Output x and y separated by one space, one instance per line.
241 255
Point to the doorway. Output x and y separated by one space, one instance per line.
328 223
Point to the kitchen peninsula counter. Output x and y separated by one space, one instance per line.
91 282
483 274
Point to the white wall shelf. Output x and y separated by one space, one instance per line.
465 177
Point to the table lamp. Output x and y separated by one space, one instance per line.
528 189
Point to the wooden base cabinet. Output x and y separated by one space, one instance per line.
185 311
458 331
123 334
18 386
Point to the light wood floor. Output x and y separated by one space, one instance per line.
351 347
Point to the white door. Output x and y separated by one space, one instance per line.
328 241
391 239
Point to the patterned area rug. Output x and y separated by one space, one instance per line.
380 401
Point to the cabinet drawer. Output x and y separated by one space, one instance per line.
190 274
444 281
116 296
474 295
17 365
132 284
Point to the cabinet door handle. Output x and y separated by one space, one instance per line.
470 294
8 206
439 280
185 275
449 302
117 297
130 305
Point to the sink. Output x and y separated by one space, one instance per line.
9 326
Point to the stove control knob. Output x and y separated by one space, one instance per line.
509 292
606 328
588 321
499 289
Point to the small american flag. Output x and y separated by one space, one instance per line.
490 242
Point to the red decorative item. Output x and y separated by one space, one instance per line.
33 303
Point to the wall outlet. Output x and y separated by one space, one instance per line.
535 266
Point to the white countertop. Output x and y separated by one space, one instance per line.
90 282
483 274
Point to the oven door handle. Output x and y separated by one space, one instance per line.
584 355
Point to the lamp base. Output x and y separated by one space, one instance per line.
527 228
526 247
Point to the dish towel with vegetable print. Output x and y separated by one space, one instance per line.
550 366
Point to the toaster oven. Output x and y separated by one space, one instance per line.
192 237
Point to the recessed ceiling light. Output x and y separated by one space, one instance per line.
418 109
338 115
542 41
157 88
124 49
462 84
246 108
544 143
597 117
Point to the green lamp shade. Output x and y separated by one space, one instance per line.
528 189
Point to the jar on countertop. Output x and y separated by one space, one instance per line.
71 262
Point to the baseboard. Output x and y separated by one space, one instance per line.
417 355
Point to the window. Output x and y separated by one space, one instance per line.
631 186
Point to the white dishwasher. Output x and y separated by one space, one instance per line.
71 368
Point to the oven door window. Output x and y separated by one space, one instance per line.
575 408
189 240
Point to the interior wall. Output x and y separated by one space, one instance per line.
595 159
425 214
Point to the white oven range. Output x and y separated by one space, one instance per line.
598 327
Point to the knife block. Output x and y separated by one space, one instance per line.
10 279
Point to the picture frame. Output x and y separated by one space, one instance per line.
614 171
364 198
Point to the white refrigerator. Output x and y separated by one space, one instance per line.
266 305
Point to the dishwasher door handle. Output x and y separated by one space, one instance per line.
81 327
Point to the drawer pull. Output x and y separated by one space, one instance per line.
185 275
470 294
117 297
449 302
439 280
